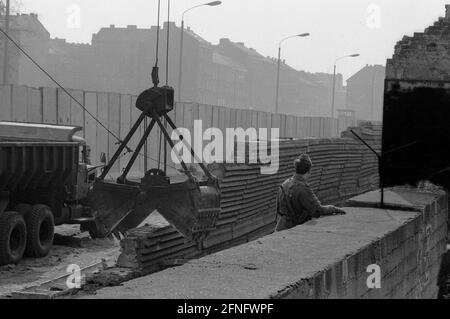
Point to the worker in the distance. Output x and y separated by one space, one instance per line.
297 203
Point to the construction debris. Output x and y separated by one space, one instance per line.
47 277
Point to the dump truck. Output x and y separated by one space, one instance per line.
45 178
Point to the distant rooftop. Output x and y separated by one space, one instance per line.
22 20
368 68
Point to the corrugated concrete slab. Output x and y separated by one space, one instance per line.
248 200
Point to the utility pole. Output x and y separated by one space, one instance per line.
373 95
6 45
180 71
278 81
333 93
277 89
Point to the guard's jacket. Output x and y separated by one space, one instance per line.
297 204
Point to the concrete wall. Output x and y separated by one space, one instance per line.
325 258
118 113
365 92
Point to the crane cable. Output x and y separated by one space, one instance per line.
167 77
157 34
167 84
156 70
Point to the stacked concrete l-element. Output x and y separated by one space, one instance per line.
342 169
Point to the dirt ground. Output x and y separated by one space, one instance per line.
78 249
70 247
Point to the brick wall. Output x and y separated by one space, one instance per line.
423 56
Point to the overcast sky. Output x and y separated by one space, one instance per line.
337 27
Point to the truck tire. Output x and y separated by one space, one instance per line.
41 229
13 238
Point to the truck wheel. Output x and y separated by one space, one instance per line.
13 238
41 229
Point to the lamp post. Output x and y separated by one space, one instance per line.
279 66
333 95
180 72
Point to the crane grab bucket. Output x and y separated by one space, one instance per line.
191 206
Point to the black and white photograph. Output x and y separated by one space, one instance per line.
226 156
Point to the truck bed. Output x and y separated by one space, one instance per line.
37 156
27 165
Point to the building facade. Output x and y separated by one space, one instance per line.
121 60
365 91
33 37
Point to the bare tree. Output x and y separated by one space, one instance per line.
15 7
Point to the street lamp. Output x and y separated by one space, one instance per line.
303 35
180 73
334 80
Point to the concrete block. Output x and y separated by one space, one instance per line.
19 103
5 103
50 105
64 108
